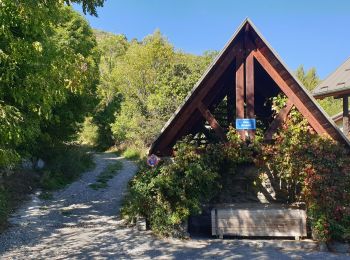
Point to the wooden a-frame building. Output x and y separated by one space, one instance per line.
245 75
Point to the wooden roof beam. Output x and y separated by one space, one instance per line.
219 131
288 92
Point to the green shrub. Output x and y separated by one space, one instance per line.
89 133
308 167
314 169
65 163
168 194
131 154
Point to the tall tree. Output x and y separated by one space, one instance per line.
309 79
46 60
89 6
154 79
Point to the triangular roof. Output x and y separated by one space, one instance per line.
336 84
186 116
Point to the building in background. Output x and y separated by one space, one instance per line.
337 85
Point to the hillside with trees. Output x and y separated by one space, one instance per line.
141 85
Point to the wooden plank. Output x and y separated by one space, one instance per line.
277 122
240 88
259 222
212 122
289 93
346 115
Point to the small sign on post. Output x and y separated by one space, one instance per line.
153 160
246 124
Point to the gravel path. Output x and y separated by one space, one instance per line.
81 223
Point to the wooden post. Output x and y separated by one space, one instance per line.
240 88
230 107
249 74
346 115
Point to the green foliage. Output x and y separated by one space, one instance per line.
168 194
49 72
106 175
89 6
331 105
111 47
131 154
65 164
310 80
313 169
152 79
310 168
89 133
141 85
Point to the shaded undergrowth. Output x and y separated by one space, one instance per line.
63 165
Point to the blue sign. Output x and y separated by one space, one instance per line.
245 124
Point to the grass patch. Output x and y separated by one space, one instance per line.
110 171
131 154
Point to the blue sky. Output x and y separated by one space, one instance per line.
309 32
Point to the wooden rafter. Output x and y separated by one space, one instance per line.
279 119
212 121
288 92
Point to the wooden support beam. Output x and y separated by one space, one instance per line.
212 122
277 122
240 88
289 92
249 74
346 115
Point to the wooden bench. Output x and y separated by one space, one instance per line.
263 220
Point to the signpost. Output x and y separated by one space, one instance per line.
246 124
